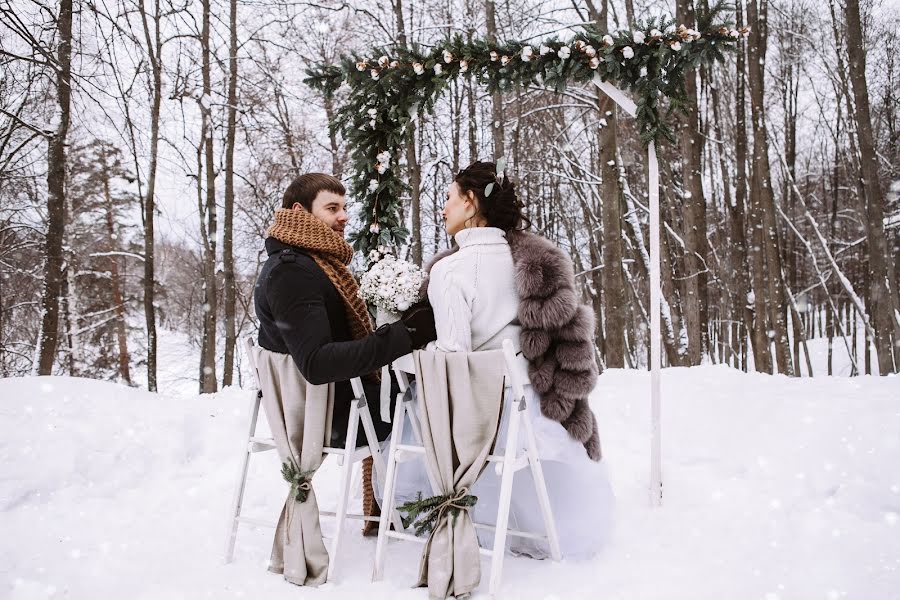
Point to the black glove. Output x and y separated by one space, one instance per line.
419 321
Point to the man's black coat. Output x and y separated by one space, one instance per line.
302 314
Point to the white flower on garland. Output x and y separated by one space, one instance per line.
463 66
373 112
527 53
438 68
384 61
639 37
494 56
676 46
448 57
734 34
373 123
643 71
655 33
362 65
627 52
373 185
505 60
595 62
395 64
374 228
419 68
607 40
375 74
590 51
564 52
384 161
545 49
391 284
603 123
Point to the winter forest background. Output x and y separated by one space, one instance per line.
145 143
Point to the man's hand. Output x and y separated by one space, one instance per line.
419 320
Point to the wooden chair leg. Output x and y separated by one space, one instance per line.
344 490
241 485
509 459
389 514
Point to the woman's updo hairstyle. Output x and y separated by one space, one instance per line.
496 196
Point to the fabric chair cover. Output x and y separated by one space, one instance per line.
460 401
299 416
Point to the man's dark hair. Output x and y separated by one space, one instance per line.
305 188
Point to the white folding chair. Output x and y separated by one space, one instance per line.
507 464
359 412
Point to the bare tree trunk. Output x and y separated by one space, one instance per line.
883 287
694 208
754 309
56 199
228 231
497 129
116 282
154 53
615 308
208 383
766 232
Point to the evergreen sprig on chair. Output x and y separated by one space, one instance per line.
433 507
301 481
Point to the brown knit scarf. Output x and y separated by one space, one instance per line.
301 229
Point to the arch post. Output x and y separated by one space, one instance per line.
655 357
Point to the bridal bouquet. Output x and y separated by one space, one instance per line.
392 285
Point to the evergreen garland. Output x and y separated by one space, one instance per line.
389 88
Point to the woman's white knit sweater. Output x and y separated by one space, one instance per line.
473 294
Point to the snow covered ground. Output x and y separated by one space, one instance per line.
774 488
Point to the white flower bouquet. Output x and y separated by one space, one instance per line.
392 285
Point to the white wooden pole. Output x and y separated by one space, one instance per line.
655 357
655 390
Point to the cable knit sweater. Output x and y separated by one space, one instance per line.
473 293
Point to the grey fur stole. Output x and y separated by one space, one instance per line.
557 335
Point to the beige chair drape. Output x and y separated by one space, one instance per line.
460 397
299 416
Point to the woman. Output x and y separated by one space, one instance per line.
499 283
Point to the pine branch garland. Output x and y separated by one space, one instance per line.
388 88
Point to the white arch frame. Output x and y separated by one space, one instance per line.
630 107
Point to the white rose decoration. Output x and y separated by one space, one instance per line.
607 40
545 49
438 69
419 68
595 62
373 185
448 57
505 60
564 52
527 53
627 52
463 66
639 37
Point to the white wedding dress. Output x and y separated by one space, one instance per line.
473 295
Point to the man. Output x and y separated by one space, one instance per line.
307 304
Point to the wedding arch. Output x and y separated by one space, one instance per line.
388 87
